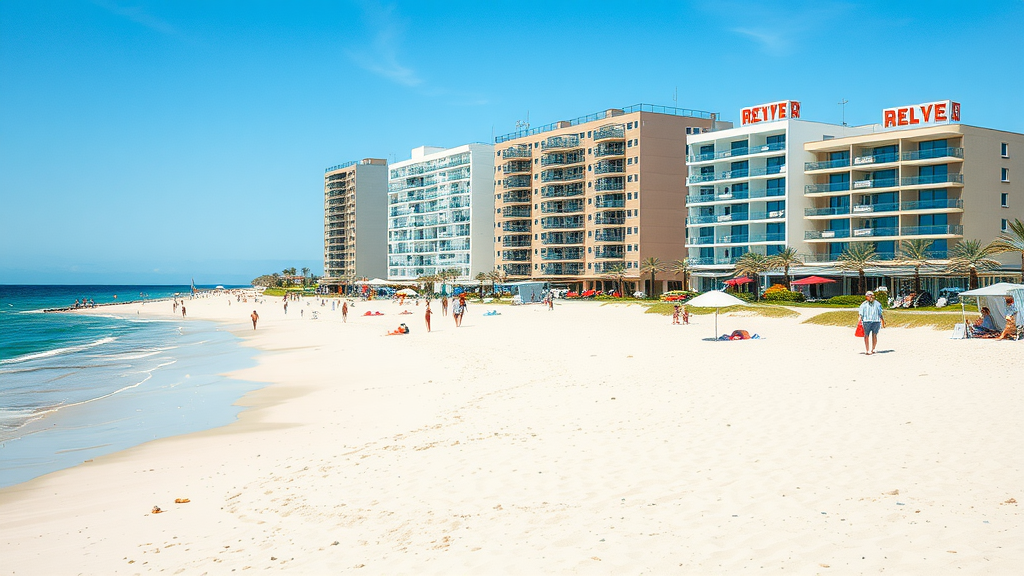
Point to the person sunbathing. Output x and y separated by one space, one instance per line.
984 326
402 329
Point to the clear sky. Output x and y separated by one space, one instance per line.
153 142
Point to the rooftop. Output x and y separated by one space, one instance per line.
611 113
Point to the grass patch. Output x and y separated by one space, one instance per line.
893 319
665 309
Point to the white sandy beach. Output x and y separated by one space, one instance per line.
591 439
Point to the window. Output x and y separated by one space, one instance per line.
1006 175
629 143
588 133
1004 150
1004 200
1004 227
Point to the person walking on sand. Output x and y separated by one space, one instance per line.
458 309
254 317
444 305
675 315
870 313
286 306
182 310
426 316
344 311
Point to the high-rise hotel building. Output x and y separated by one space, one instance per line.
920 175
355 209
575 199
440 212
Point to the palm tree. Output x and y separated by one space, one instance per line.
753 264
652 265
969 256
617 273
683 267
784 259
305 275
915 253
1012 241
481 278
857 257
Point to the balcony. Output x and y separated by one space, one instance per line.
613 218
562 175
516 211
825 234
515 152
739 173
516 269
520 241
950 204
610 235
932 179
561 190
829 187
826 164
561 206
562 269
609 252
610 201
515 226
933 154
517 167
701 240
608 184
516 182
560 142
937 230
561 253
562 238
515 255
871 183
562 158
736 195
516 197
714 261
708 156
609 167
606 149
837 211
874 208
561 222
875 159
610 132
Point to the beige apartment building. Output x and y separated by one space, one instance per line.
355 221
576 198
943 183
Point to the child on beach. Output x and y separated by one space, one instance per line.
675 315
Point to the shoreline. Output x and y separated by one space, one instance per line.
511 443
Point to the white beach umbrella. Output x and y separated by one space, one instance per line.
407 292
715 299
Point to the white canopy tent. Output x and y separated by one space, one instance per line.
994 298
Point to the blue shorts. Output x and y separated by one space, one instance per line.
871 328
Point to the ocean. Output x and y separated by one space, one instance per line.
73 387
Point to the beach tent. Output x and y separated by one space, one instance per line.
716 300
994 297
528 292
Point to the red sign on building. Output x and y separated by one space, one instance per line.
942 112
770 112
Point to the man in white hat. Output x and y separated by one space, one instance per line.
871 318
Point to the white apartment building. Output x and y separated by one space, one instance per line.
746 187
441 212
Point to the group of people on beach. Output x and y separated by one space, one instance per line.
85 303
985 326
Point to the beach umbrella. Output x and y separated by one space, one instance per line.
810 280
407 292
738 281
716 300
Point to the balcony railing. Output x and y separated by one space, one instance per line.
932 179
837 211
516 269
516 211
610 235
951 203
561 175
736 152
515 152
561 222
515 226
825 234
875 159
609 149
561 207
610 251
713 261
738 173
517 167
736 217
610 184
873 208
874 183
616 131
737 195
935 230
560 142
561 190
562 269
520 241
933 154
516 182
829 187
515 255
614 218
826 164
610 201
561 254
516 197
609 167
563 238
561 159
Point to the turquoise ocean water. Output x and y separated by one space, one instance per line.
73 387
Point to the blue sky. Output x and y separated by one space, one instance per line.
159 141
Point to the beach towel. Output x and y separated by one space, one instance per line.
492 313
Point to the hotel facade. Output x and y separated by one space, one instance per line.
744 194
440 212
575 199
355 207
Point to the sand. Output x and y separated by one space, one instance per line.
591 439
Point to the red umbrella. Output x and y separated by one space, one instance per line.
738 281
812 280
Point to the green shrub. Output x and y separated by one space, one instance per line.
745 296
783 296
851 300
